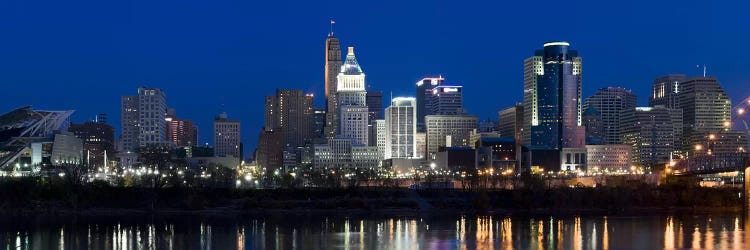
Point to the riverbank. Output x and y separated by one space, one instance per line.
22 197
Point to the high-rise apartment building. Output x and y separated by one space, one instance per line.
380 135
424 93
449 131
666 91
227 137
552 98
401 128
291 112
143 119
613 104
352 101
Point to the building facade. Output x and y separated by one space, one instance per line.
332 68
449 131
446 100
352 101
291 112
401 128
608 159
423 95
654 134
227 137
98 139
143 119
666 91
552 98
612 104
341 154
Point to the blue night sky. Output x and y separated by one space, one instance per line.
84 55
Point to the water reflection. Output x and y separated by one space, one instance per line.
723 231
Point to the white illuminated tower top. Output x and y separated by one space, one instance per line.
351 77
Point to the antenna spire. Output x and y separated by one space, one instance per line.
332 23
704 70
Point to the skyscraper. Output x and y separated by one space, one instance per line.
654 133
552 98
143 119
613 104
446 100
332 68
291 112
401 128
226 137
352 104
666 91
706 112
424 93
374 100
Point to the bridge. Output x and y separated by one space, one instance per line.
718 163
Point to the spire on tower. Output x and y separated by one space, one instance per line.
330 34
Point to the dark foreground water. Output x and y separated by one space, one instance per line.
720 231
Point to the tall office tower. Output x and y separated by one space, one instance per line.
654 134
592 121
143 119
291 112
706 109
400 128
332 68
449 131
226 137
552 98
510 122
446 100
424 93
181 132
319 123
352 101
98 138
380 136
374 102
666 91
613 104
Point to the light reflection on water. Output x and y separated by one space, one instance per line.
722 231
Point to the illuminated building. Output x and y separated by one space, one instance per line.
291 112
181 132
98 138
666 91
706 109
446 100
424 93
227 137
612 105
342 154
449 131
401 128
609 159
143 119
332 67
552 98
654 133
352 104
510 121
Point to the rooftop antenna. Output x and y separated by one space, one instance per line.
332 23
704 69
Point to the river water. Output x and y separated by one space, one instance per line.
713 231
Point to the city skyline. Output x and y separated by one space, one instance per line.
492 72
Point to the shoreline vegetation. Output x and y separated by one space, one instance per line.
30 197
